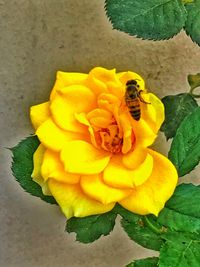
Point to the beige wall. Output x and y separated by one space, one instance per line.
38 37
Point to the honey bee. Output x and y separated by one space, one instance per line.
133 98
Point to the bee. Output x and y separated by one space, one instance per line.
133 98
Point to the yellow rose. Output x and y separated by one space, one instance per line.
93 153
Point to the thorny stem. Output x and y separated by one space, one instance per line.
187 1
153 227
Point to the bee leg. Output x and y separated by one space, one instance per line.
141 99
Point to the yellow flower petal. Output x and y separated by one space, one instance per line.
104 75
36 174
153 113
117 175
52 167
110 103
102 80
64 79
95 82
128 134
140 131
76 99
39 114
82 118
151 196
100 118
51 136
129 75
83 158
94 187
37 160
74 202
134 158
144 134
86 117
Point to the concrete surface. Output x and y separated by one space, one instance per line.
38 37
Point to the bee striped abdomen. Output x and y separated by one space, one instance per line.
134 108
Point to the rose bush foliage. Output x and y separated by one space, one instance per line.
93 154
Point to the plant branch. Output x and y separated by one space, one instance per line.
153 227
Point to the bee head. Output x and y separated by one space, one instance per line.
131 82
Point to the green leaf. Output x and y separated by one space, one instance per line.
89 229
182 211
181 214
177 107
194 80
148 262
185 148
180 250
186 199
187 1
144 230
192 25
22 167
152 19
177 228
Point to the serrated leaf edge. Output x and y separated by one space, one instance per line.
135 35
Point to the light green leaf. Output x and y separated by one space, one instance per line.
194 80
192 25
22 167
148 262
180 250
152 19
187 1
182 211
185 148
177 107
89 229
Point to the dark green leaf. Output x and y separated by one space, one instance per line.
22 167
192 25
180 250
185 148
186 200
182 211
148 262
152 19
177 107
144 230
89 229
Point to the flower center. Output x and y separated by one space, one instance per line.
110 138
